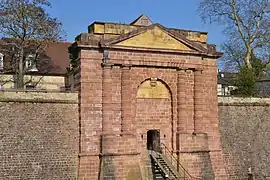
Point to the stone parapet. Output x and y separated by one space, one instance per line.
39 97
234 101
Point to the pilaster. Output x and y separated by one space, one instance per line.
198 100
107 106
181 101
128 125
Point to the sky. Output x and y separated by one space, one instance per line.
76 15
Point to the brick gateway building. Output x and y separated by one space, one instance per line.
146 87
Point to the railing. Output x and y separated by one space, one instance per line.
181 170
163 172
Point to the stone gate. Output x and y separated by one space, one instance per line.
139 78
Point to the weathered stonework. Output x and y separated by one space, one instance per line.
245 136
39 138
38 135
132 79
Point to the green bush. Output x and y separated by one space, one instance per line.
246 82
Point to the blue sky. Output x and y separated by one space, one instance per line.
76 15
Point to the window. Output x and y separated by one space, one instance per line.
30 86
144 21
30 63
1 61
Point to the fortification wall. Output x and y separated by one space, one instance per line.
244 126
38 135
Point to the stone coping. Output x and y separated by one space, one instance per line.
39 97
230 101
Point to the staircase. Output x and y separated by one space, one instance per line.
163 168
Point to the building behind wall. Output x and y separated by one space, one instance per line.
48 72
226 84
141 78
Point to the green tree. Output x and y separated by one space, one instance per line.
245 81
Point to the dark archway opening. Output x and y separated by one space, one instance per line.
153 140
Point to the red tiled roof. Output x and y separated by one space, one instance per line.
53 61
59 56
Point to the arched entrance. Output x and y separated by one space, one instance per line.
154 114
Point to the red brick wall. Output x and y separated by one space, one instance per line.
154 114
112 117
90 106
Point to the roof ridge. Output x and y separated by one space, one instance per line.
187 30
136 19
180 37
126 35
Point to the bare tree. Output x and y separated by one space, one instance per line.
246 22
27 29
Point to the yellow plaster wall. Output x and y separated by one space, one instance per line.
117 29
112 28
153 89
45 82
99 28
196 36
154 38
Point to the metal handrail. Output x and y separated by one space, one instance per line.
189 176
163 172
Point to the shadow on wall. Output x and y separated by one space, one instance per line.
108 168
207 171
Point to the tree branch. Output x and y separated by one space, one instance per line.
237 20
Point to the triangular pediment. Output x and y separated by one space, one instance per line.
143 20
155 38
